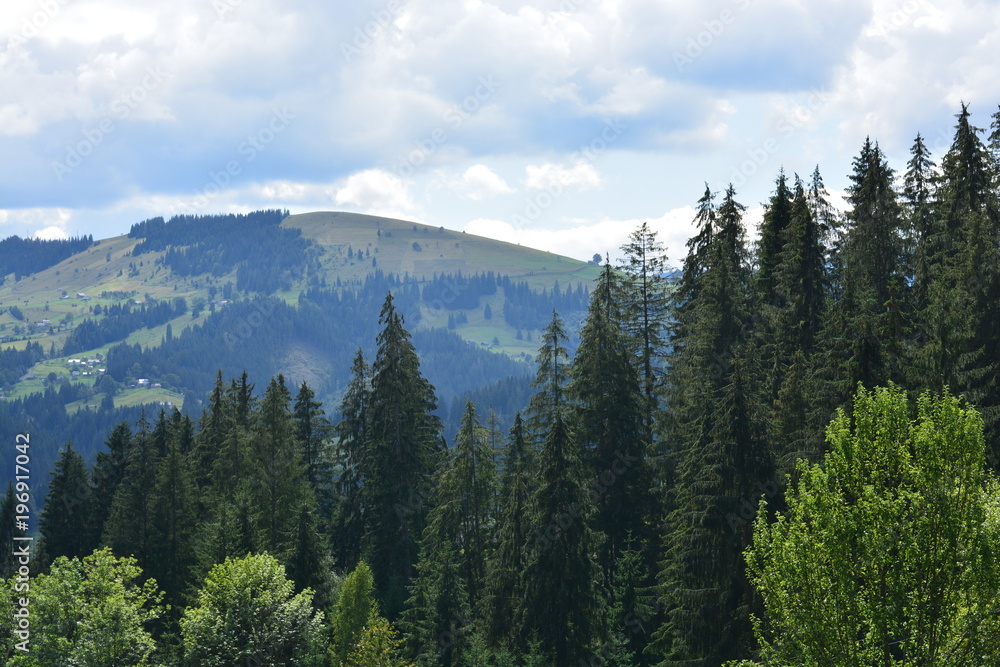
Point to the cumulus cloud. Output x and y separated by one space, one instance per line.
581 239
479 182
581 176
374 190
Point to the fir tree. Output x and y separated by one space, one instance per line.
607 399
66 521
352 447
402 441
719 458
109 471
559 581
645 313
507 560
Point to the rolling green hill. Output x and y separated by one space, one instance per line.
344 250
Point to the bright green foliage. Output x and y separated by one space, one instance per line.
886 553
67 520
378 647
248 614
402 444
354 610
92 612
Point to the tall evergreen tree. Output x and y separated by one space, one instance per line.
129 526
172 511
607 397
718 454
508 559
561 599
777 218
66 521
402 441
109 471
352 447
645 313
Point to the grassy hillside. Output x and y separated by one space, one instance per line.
52 302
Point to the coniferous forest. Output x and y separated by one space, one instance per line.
784 454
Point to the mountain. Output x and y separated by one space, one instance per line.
92 331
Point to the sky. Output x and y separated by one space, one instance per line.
558 124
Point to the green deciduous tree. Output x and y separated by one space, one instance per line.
886 553
247 613
92 612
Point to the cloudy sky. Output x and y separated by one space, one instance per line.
560 124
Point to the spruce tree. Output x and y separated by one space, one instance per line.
718 454
402 443
644 313
559 581
777 218
470 483
607 397
508 559
351 449
129 526
173 515
66 521
109 471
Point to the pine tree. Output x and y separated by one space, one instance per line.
438 614
311 431
470 483
550 381
402 444
66 521
777 218
919 188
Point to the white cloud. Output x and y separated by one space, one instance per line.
374 190
480 182
51 234
581 239
582 176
